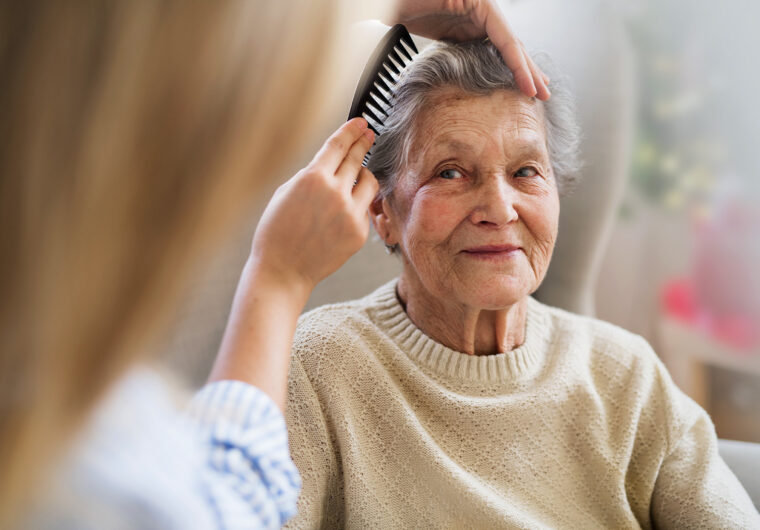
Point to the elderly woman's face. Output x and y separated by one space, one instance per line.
476 208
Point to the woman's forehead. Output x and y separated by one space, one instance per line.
458 121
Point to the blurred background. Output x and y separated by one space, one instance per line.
682 263
663 235
693 205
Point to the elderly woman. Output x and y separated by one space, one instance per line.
450 398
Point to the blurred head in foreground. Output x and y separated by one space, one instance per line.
134 135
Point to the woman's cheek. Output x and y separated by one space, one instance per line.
435 216
542 222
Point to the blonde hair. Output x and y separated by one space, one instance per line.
133 135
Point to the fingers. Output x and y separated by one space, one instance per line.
516 59
539 78
511 48
366 189
352 162
335 149
529 77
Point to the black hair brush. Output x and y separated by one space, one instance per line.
374 94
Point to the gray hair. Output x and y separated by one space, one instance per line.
475 67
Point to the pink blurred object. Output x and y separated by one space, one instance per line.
722 296
739 331
726 268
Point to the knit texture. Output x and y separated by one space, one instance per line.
580 427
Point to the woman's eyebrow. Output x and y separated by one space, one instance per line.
458 145
450 144
529 148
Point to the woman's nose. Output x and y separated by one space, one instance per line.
495 203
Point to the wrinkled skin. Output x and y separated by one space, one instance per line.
475 216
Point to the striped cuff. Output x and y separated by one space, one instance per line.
236 402
248 443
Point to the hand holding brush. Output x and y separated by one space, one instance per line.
472 19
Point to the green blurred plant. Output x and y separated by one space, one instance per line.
674 162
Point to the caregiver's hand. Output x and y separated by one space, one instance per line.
312 225
471 19
318 219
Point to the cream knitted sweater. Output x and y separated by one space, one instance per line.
580 427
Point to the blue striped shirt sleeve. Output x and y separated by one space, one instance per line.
250 479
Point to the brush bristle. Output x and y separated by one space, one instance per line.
373 99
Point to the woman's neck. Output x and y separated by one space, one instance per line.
463 328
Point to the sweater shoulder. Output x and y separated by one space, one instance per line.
601 339
337 329
612 356
623 369
329 322
622 365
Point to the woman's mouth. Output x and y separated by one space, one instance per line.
492 252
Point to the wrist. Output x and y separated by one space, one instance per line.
270 282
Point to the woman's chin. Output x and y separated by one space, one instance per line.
492 297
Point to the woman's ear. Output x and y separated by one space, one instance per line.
380 213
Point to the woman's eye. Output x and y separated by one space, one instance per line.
526 172
451 174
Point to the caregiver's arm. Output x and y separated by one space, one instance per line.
312 225
471 19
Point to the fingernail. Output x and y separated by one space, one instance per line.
362 123
370 135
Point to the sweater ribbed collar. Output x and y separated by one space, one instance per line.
519 363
